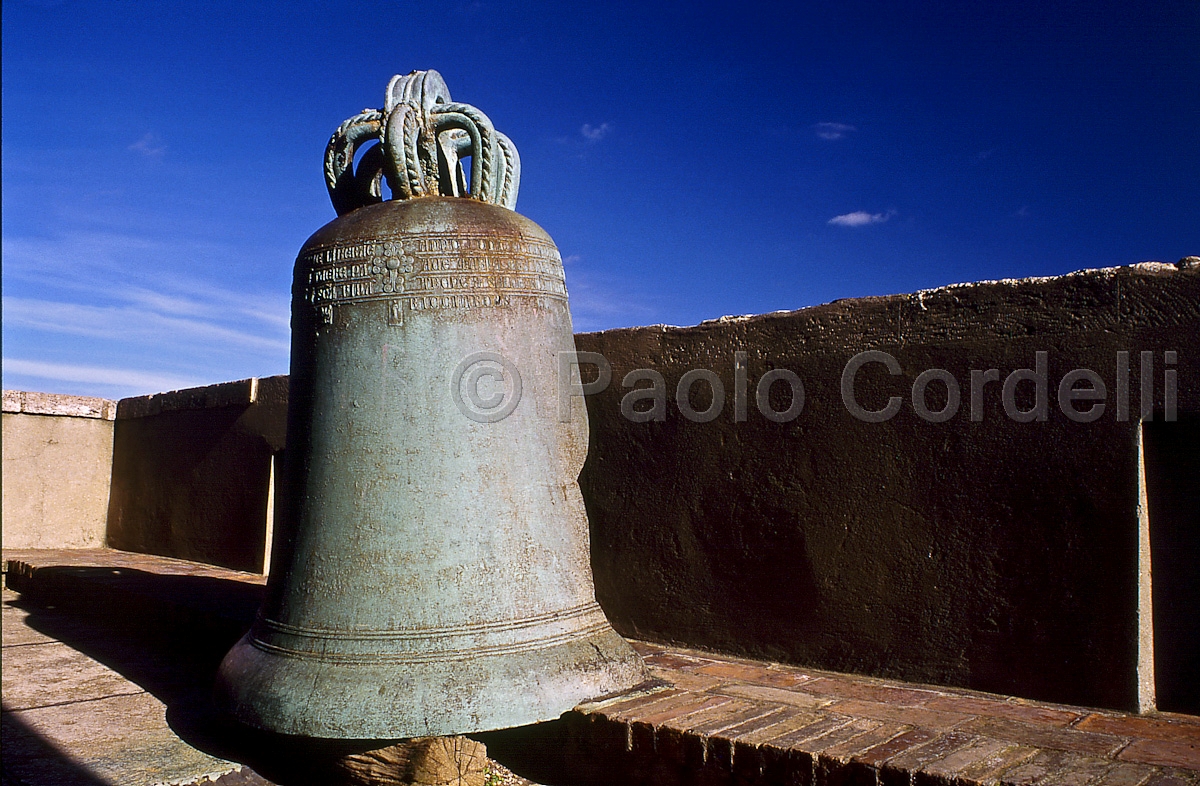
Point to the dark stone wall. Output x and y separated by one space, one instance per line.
191 471
989 554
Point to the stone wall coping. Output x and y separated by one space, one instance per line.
946 299
30 402
240 393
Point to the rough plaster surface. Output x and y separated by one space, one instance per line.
56 470
191 470
994 555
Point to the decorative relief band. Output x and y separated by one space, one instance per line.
582 611
426 645
432 271
439 656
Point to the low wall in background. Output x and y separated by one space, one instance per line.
191 471
57 459
989 554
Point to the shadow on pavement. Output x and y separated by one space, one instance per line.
32 760
168 634
165 633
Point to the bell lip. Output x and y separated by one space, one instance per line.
257 688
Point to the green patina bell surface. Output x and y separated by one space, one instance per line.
431 570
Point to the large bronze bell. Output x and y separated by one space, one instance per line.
431 572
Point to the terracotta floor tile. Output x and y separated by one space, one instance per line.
1163 778
853 689
1040 769
618 709
1046 737
757 675
789 720
772 717
667 660
1126 774
987 769
913 716
659 713
977 750
938 748
999 708
1141 726
879 735
686 680
894 747
1167 753
776 695
722 724
838 736
728 713
823 725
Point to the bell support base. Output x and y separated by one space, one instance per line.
384 700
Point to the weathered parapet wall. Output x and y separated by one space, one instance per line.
990 554
57 455
978 551
191 471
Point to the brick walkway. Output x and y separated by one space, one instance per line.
764 722
721 720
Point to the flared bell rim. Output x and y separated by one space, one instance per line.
297 696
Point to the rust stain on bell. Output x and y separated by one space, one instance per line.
431 572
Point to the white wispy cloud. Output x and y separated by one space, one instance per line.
149 145
172 309
214 303
130 324
860 218
97 375
99 267
832 131
595 133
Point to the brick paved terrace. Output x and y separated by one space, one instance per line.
713 719
727 720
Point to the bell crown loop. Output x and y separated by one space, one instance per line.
422 137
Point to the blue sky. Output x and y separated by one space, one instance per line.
162 161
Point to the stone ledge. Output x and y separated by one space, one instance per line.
1118 299
241 393
58 404
794 725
